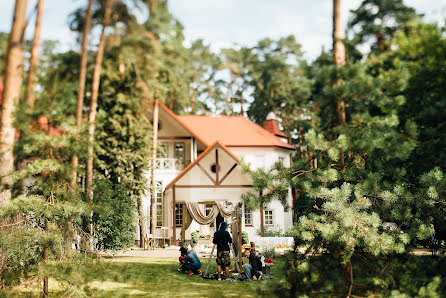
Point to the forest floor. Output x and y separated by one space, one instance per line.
146 277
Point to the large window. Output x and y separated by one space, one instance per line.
179 151
179 215
248 216
269 217
159 203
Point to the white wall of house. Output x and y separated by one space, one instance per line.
265 157
171 133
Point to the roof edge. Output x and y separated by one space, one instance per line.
177 118
199 157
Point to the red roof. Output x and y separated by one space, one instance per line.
232 131
272 126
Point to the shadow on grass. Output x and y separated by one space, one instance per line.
159 277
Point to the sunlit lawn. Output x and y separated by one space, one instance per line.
130 276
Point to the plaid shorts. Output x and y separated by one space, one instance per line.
223 258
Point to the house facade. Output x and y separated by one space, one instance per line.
198 175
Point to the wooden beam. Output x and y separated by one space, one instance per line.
183 224
213 186
217 167
207 174
174 225
227 174
239 223
174 138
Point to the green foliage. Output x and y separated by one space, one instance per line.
389 276
271 232
268 185
379 19
245 237
44 210
115 230
3 49
279 83
195 236
269 252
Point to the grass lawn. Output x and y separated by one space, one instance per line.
131 276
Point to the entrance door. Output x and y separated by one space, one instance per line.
219 220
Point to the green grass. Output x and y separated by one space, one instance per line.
130 276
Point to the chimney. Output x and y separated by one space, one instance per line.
272 126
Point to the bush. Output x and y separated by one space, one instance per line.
195 236
269 252
245 238
271 232
113 216
393 275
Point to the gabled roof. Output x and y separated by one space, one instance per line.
200 157
232 131
179 120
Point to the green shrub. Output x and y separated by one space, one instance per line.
195 236
114 216
275 231
245 238
269 252
389 276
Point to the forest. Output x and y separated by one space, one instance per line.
367 116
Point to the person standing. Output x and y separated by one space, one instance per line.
223 240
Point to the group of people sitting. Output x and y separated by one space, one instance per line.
190 262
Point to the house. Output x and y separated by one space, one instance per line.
198 176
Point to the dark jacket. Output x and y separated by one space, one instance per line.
222 238
256 264
192 258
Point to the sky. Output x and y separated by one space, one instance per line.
223 23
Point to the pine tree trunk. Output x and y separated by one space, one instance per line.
11 94
94 100
338 53
192 104
262 222
171 99
242 111
81 88
152 176
34 59
45 261
380 41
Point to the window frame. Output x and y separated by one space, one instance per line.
268 216
247 211
179 214
159 203
175 151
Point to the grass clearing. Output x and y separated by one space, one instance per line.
139 276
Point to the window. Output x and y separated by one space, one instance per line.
282 160
179 215
248 217
269 217
179 151
159 203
